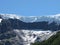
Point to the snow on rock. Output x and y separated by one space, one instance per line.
0 20
7 16
30 36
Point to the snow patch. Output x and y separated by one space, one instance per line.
0 20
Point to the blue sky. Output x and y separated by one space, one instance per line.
30 7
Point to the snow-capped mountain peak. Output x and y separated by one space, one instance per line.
49 18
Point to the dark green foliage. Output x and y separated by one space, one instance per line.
53 40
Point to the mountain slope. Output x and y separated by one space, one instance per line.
53 40
24 37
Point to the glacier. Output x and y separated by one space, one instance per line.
30 36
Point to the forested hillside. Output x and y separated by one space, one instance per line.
53 40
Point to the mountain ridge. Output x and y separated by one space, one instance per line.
33 18
26 30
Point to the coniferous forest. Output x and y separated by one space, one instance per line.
53 40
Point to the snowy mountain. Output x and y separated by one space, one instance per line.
22 30
49 18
